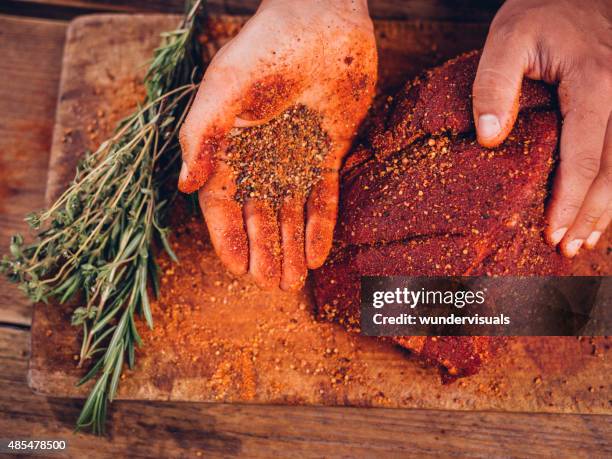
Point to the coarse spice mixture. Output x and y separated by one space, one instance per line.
279 159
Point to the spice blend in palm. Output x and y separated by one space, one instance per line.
278 159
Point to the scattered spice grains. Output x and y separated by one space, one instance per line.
278 159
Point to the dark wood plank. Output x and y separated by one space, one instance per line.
141 429
450 10
30 67
43 11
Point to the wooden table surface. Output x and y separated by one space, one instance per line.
31 41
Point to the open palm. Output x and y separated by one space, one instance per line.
318 54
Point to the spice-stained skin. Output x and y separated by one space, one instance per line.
428 200
318 54
259 170
281 181
568 43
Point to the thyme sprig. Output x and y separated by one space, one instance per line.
96 242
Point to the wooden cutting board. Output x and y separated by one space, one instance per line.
226 340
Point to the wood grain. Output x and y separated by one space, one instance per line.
152 429
28 96
171 430
452 10
230 342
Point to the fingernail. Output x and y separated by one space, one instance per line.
593 239
488 126
573 247
184 172
556 237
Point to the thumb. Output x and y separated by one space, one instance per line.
227 94
205 128
496 90
210 118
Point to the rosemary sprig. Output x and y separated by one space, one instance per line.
96 242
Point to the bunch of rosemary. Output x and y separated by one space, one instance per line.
96 242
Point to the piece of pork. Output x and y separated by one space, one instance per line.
425 199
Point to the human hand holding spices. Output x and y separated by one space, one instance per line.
278 108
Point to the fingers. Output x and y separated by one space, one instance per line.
224 219
292 236
497 87
223 216
581 148
264 243
583 188
599 229
322 206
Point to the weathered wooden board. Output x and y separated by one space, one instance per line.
226 340
180 430
449 10
27 106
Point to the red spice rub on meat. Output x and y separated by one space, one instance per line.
440 102
424 198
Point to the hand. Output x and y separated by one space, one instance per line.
321 54
569 43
